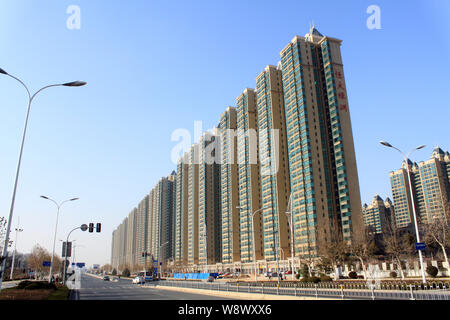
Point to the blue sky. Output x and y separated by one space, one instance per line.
155 66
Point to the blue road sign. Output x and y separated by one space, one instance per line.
420 246
80 264
155 261
46 263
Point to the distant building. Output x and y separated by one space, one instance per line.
430 188
377 214
181 211
193 226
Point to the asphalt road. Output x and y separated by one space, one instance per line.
98 289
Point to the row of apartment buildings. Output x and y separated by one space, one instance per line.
146 227
277 174
430 187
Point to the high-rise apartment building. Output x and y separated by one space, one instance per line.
131 239
167 217
275 186
326 200
181 211
248 177
229 187
430 188
209 226
123 236
288 141
141 230
378 214
193 231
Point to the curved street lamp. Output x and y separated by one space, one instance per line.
406 158
83 228
253 234
56 229
30 100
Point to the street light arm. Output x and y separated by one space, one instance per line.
406 157
258 211
22 83
56 203
35 94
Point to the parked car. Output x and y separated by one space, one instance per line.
138 280
106 278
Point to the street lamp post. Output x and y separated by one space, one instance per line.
254 243
406 158
11 210
159 258
276 256
76 246
205 239
56 229
83 227
291 226
14 253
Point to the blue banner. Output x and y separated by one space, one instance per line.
194 276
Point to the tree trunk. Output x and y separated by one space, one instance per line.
364 267
445 257
401 269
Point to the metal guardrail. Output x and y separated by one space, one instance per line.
314 290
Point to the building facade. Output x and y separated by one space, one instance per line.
377 215
248 177
275 186
326 200
430 186
229 187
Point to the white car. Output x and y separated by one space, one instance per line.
138 280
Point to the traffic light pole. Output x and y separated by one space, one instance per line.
83 228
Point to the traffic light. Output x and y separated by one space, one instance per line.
99 227
91 227
67 250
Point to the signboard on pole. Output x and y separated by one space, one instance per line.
80 264
69 249
46 263
420 246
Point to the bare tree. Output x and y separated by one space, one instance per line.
363 248
106 268
3 227
334 252
437 231
398 243
38 256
